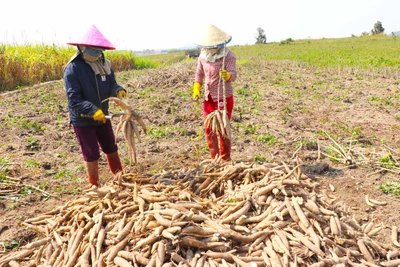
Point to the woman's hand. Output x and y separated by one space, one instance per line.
196 91
99 116
224 74
121 94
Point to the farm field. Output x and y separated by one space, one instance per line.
339 124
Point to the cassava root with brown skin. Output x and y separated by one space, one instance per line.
219 123
128 126
247 216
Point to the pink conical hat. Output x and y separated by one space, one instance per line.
93 37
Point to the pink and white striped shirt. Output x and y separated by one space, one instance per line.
207 74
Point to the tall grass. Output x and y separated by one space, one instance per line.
32 64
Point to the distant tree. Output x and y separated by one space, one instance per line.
261 38
364 34
377 28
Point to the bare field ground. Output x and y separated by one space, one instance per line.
282 111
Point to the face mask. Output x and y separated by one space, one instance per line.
92 54
92 51
213 50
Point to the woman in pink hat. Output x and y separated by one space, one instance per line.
216 62
88 80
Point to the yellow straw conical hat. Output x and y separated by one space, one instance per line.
214 37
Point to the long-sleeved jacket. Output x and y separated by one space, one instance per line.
85 91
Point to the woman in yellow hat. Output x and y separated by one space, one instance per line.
216 62
88 80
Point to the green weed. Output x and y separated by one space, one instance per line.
31 163
25 190
308 143
254 111
332 154
317 96
44 185
184 94
257 96
374 100
144 92
196 150
3 176
79 168
296 93
48 96
286 110
63 174
243 91
259 158
33 144
24 99
162 131
250 129
4 161
356 131
12 244
205 148
392 188
266 139
156 170
387 160
25 123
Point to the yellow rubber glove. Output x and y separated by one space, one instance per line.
121 94
99 116
224 74
196 90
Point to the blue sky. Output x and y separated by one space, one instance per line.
161 24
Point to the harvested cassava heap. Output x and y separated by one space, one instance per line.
218 214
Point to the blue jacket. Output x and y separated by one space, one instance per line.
85 91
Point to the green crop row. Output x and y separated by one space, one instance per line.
378 51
